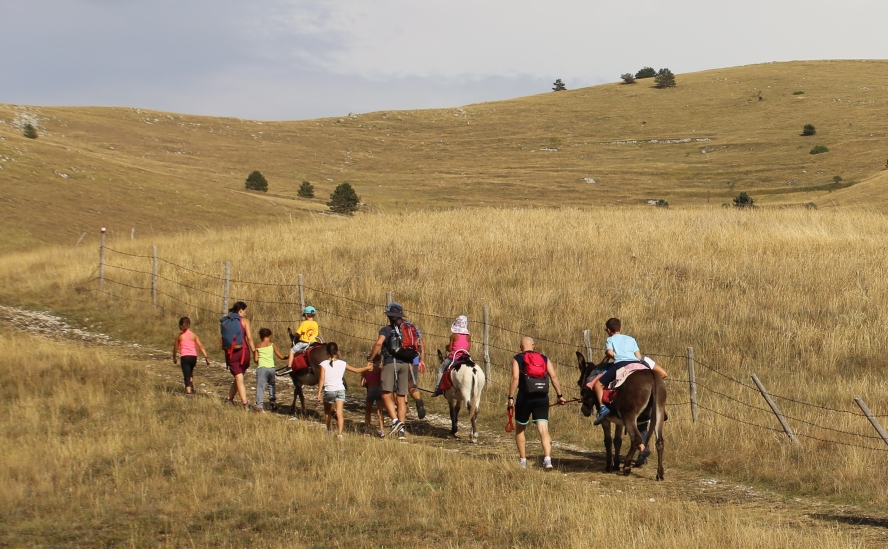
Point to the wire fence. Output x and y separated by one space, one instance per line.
341 317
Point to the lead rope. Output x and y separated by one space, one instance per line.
510 426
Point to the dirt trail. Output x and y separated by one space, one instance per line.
586 465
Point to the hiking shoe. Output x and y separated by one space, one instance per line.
366 432
523 463
601 415
643 457
402 434
283 371
420 409
396 426
547 464
381 433
340 437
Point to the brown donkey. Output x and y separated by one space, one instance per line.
641 398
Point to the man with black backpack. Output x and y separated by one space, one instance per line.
529 396
399 344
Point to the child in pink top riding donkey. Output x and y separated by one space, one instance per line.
460 342
185 350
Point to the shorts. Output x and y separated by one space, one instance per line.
374 394
610 374
388 378
238 361
536 407
331 396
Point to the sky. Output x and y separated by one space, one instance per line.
299 59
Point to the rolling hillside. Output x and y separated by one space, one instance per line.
716 134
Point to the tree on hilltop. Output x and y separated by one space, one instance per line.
664 79
256 182
647 72
306 190
743 200
344 199
628 78
559 86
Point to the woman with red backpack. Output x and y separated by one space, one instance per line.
239 348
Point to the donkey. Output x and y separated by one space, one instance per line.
307 377
642 397
468 382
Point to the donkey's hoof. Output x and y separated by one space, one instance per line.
626 471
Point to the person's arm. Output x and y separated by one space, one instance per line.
555 383
639 356
376 347
513 384
449 346
470 343
422 364
280 355
176 348
248 335
202 350
359 370
321 386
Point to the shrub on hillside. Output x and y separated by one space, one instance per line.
29 131
798 92
664 79
661 203
256 182
809 129
811 206
647 72
628 78
559 86
837 179
306 190
344 199
743 200
819 149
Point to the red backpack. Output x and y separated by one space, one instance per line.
404 342
536 378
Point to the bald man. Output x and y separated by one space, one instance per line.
527 405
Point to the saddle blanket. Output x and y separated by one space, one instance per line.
610 392
300 361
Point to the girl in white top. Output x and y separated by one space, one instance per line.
331 389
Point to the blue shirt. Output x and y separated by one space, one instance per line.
623 346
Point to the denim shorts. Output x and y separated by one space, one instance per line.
330 396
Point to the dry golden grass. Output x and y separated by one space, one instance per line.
792 295
98 453
149 170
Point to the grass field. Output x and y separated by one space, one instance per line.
700 143
99 452
791 295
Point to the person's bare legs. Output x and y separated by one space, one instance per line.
599 392
521 440
379 414
238 387
389 405
545 438
368 411
328 409
340 417
402 408
659 371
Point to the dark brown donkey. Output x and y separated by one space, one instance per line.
642 397
307 377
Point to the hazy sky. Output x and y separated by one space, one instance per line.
289 59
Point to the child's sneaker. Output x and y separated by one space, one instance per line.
402 434
601 415
547 463
381 433
340 437
366 432
523 463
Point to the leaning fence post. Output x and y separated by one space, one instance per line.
227 287
692 382
775 409
587 340
102 261
133 235
80 240
872 419
301 295
154 276
487 342
388 299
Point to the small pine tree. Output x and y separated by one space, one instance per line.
743 200
256 182
647 72
664 79
661 203
818 149
628 78
306 190
344 199
559 86
29 131
809 129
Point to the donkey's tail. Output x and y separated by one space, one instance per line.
475 392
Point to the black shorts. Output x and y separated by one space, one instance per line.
538 407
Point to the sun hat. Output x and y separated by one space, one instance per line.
309 310
394 310
460 325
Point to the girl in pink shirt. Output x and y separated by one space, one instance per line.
185 348
460 342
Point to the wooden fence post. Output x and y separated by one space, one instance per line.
102 262
301 295
775 409
872 419
692 382
587 340
154 276
227 287
80 240
487 343
133 235
388 299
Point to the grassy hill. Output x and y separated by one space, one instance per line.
717 133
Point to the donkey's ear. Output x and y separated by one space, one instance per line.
440 356
581 361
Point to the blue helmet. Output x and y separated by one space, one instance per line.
309 310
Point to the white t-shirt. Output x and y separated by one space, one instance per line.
333 375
